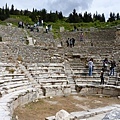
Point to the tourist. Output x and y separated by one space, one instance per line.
61 43
81 36
102 76
75 28
20 24
112 66
67 41
37 29
31 28
105 64
90 65
46 29
73 42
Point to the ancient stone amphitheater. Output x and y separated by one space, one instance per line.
34 65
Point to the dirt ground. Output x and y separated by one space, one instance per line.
50 106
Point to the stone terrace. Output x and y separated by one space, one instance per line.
29 72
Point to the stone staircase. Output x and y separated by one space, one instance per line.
69 73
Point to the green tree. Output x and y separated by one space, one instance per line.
80 17
43 14
16 12
34 15
52 17
112 17
87 17
118 16
7 13
27 12
103 18
98 17
12 10
60 15
73 17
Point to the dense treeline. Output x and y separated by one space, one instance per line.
73 17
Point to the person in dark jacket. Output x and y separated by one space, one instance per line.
112 66
105 64
67 41
102 76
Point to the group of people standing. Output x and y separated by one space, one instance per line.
70 42
111 64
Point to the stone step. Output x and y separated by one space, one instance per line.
53 82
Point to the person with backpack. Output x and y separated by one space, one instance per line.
105 64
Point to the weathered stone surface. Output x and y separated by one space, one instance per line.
113 115
61 115
53 90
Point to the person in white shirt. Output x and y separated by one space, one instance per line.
46 29
90 65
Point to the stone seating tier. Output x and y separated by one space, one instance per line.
50 77
12 76
46 69
8 85
113 80
53 90
53 82
15 87
13 79
90 89
85 73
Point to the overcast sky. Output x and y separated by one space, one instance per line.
67 6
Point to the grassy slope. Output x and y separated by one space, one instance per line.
14 19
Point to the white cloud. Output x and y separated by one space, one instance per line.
67 6
105 6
